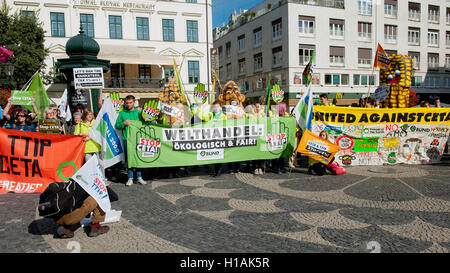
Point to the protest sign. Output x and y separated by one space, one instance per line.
29 161
382 92
317 148
88 78
21 97
153 145
368 136
49 126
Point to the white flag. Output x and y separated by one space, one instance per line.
90 178
303 111
64 109
104 133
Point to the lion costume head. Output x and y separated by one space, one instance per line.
231 95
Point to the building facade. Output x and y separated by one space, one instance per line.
278 37
140 38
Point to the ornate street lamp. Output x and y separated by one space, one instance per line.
9 69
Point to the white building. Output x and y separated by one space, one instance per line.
278 37
140 38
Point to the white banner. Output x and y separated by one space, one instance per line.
91 179
104 133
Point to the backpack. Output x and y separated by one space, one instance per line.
57 199
336 169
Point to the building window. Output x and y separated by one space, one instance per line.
365 7
145 73
306 25
115 27
87 23
276 29
337 55
414 11
142 28
390 8
277 56
433 60
416 81
433 14
168 73
220 50
415 56
192 31
193 72
447 62
447 39
447 82
257 62
168 30
390 34
432 82
241 67
117 75
27 13
228 49
433 38
363 80
337 28
228 71
364 31
336 79
364 57
413 36
305 53
241 43
257 37
57 24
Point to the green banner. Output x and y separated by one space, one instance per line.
155 145
21 97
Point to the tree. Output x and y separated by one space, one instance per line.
23 35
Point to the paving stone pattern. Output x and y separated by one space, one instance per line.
403 208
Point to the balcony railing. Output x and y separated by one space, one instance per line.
390 38
337 60
367 36
116 82
304 60
364 62
434 18
338 4
390 12
413 40
414 15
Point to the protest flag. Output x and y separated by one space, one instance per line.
104 133
381 58
41 99
267 97
5 54
308 70
64 109
91 179
178 78
303 111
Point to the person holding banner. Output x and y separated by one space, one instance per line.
11 118
278 165
23 122
82 129
124 119
316 166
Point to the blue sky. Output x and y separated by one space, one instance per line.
222 9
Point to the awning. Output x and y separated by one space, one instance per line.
132 55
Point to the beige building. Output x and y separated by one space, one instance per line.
278 37
140 38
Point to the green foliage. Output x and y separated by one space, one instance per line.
23 35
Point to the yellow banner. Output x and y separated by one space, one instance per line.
359 116
317 148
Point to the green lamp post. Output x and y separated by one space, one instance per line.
82 51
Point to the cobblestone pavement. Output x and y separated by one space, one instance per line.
402 208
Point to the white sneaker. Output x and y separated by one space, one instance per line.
129 182
141 181
260 171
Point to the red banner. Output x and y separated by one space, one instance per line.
29 161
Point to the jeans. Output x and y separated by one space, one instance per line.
130 171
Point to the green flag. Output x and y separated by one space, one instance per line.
40 95
267 98
308 70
